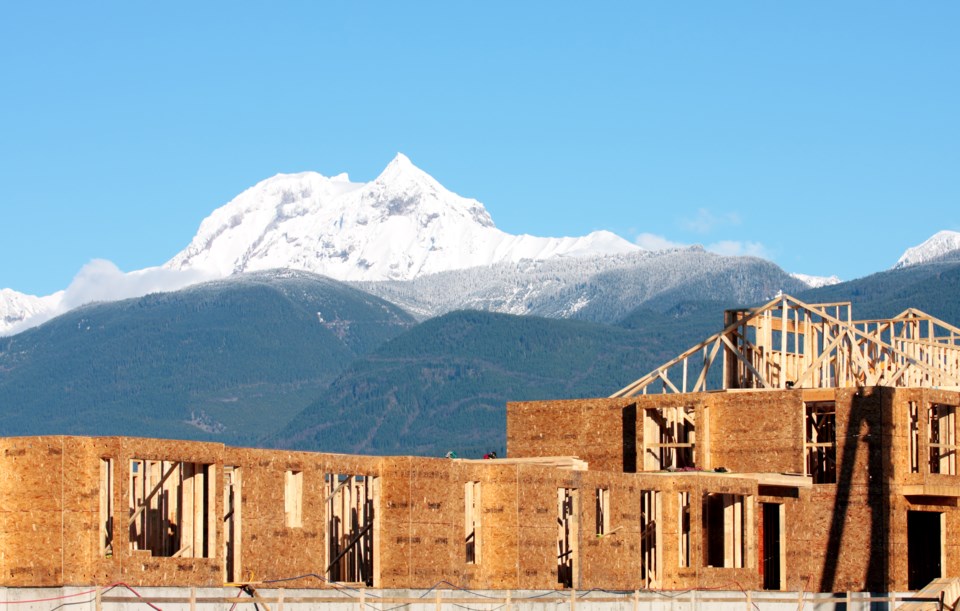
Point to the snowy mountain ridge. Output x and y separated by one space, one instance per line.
401 225
938 245
16 307
405 237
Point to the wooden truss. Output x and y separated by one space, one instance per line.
790 344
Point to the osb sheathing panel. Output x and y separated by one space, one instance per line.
756 432
423 523
591 429
32 511
269 548
537 531
611 561
836 542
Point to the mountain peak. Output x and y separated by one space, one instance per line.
934 247
401 225
401 170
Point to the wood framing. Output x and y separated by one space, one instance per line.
786 343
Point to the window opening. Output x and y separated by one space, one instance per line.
106 507
650 537
914 437
820 444
293 499
471 521
724 530
232 520
351 501
684 522
170 508
603 511
669 435
943 439
567 535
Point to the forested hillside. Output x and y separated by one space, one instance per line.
229 360
444 385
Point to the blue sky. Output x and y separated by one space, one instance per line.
824 136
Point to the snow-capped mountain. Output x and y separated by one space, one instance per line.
938 245
816 282
400 226
15 308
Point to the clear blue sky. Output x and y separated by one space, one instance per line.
823 135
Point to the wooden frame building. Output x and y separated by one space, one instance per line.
797 449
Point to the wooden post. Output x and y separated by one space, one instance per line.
509 603
573 599
438 598
750 600
193 599
636 600
99 604
280 600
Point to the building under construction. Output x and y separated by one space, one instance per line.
796 449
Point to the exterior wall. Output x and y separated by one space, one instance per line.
50 519
592 429
901 502
269 548
850 535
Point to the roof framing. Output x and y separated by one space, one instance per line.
787 343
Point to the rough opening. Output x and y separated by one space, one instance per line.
943 439
669 438
106 507
603 511
772 551
724 530
293 499
170 508
232 519
924 548
650 537
351 503
566 535
913 440
684 522
471 521
820 444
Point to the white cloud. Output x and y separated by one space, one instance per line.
735 248
652 241
705 221
101 280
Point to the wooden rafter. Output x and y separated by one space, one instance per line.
787 343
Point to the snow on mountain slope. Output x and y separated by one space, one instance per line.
16 307
402 225
816 282
936 246
599 289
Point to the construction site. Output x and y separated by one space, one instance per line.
797 452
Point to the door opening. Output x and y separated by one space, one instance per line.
774 558
924 548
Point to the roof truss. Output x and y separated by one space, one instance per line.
787 343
